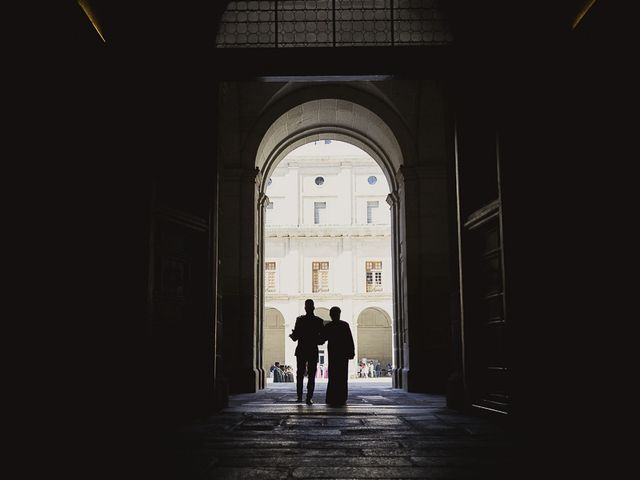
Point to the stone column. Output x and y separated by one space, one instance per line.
427 329
399 282
239 255
259 276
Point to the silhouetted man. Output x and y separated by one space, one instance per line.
341 350
307 333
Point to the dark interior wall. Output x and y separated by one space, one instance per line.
552 99
90 191
164 152
182 308
124 141
134 138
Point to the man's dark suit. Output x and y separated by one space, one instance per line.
307 333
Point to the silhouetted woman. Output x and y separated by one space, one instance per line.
341 350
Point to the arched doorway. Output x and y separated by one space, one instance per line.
274 338
327 223
343 121
296 113
374 337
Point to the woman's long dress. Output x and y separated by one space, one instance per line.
341 349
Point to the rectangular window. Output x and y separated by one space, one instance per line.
319 207
374 276
320 278
270 277
372 208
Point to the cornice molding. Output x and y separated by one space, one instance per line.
377 296
328 231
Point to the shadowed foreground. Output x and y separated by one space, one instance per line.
381 433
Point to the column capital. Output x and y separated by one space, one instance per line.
263 200
258 177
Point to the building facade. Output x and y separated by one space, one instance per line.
328 238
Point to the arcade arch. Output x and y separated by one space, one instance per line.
274 338
374 336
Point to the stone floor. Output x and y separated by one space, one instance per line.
381 433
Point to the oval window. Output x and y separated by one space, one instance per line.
372 180
319 181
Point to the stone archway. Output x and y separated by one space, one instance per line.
350 122
274 338
374 336
258 135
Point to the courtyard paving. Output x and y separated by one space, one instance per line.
383 433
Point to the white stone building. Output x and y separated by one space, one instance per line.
328 237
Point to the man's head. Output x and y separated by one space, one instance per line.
308 306
334 313
277 364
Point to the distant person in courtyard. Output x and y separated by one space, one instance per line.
307 333
288 374
278 376
341 349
